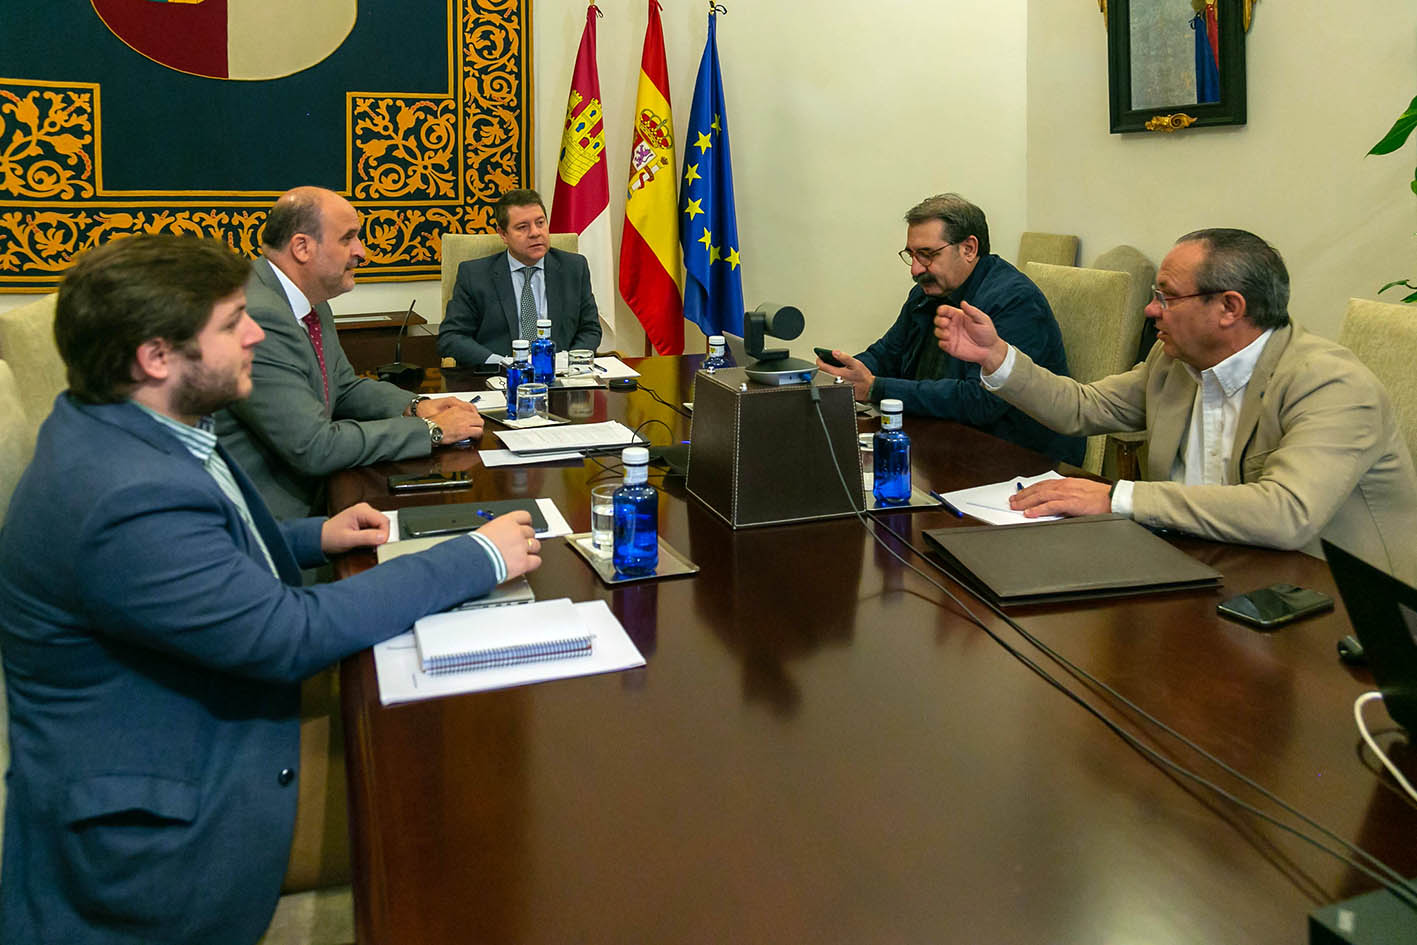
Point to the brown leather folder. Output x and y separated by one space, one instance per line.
1069 559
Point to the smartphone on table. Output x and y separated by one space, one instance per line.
1275 606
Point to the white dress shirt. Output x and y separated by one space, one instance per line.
1210 437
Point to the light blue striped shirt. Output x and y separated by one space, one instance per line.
200 441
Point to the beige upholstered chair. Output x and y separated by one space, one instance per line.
460 247
1384 337
27 343
1143 272
16 447
1099 327
16 444
1056 249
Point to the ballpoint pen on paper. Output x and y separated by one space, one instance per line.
947 504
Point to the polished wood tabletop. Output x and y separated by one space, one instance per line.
822 748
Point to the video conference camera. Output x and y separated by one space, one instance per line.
772 365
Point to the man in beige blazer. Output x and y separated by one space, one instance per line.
1260 432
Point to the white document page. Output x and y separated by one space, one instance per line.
610 367
481 399
400 679
991 503
576 436
494 458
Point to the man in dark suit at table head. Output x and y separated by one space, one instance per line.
947 249
153 627
1258 431
499 298
310 415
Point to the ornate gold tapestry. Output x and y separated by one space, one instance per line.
415 164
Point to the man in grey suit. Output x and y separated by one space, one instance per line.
153 626
1259 432
309 414
499 298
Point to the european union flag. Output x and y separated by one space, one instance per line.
708 230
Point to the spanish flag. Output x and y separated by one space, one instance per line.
649 246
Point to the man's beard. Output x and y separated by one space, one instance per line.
203 391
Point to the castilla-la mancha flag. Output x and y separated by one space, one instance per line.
649 246
582 201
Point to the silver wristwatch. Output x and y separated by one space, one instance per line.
435 432
413 404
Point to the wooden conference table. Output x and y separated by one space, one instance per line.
821 749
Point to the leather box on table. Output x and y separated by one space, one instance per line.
758 454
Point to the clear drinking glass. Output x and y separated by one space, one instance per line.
580 361
531 401
602 517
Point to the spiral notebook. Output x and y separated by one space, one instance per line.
464 641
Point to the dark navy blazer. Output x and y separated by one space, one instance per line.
482 316
1022 317
152 665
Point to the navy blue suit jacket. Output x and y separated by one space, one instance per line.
152 664
1023 318
482 316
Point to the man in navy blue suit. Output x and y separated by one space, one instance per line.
153 626
499 298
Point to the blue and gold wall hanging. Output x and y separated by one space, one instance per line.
128 116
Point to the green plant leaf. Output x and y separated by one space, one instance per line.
1411 298
1397 135
1397 282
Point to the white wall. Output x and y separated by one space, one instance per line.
1325 82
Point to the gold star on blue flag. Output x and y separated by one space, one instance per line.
713 287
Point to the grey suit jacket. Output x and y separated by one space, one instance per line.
482 316
284 435
1317 449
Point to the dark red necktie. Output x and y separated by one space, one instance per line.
312 324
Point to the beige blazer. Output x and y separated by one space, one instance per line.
1317 449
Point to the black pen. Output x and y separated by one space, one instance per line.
946 503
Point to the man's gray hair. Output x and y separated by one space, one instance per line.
1239 261
961 218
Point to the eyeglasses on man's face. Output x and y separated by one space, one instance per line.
1164 300
923 256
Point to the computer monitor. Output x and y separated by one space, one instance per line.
1384 615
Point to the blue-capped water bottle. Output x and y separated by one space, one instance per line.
543 353
891 457
518 373
636 544
716 357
